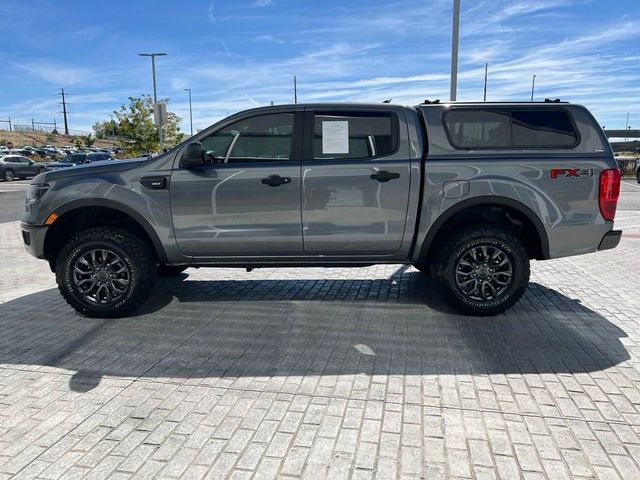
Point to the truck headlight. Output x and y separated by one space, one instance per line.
35 192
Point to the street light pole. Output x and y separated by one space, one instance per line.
486 74
190 111
626 126
454 50
533 86
155 96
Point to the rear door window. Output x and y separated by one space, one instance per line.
354 135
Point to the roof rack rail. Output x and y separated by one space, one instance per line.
557 100
429 102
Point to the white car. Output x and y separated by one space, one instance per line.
4 150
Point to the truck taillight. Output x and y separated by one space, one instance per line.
609 192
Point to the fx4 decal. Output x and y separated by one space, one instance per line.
571 172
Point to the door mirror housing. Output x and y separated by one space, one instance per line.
192 156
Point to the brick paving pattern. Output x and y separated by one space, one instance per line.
323 373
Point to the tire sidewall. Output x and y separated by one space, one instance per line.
68 264
519 278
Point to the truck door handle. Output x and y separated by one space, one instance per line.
383 176
275 180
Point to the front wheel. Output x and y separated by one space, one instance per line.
9 175
482 270
105 272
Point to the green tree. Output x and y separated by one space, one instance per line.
106 129
88 140
136 131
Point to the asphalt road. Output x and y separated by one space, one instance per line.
12 199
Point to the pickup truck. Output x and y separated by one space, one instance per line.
466 192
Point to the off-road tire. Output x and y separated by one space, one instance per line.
8 175
170 270
450 252
134 253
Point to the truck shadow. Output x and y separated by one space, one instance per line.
269 328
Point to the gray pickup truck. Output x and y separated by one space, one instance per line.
466 192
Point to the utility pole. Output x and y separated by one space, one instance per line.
295 90
533 86
113 128
486 74
33 125
190 111
7 121
64 112
626 126
454 50
155 96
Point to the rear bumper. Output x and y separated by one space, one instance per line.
610 240
33 238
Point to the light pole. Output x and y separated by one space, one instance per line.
486 74
190 111
533 86
155 96
113 128
454 50
626 126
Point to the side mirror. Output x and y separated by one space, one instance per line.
192 156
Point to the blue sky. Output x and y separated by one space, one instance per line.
244 53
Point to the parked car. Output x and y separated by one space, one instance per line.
4 150
468 192
79 159
18 166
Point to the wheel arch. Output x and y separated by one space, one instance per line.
538 246
79 215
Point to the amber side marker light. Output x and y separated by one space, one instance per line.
51 218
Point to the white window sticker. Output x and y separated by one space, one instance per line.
335 137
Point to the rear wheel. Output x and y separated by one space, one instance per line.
170 270
482 270
105 272
638 176
9 175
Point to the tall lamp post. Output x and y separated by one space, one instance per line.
190 111
454 50
155 95
533 86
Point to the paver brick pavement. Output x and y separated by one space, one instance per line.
323 373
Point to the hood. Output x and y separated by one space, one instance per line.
88 169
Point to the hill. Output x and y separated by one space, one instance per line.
37 139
